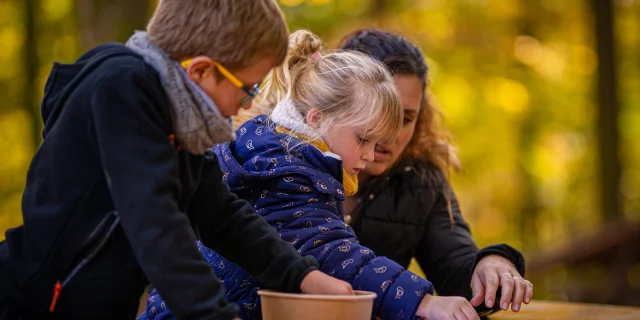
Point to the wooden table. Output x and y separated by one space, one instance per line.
549 310
555 310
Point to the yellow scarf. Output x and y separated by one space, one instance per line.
350 181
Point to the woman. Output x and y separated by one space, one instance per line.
405 207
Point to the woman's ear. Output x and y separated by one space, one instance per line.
314 118
200 68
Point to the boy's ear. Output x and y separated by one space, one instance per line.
314 118
200 68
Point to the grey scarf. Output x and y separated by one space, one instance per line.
197 121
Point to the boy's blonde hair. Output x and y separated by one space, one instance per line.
348 88
232 32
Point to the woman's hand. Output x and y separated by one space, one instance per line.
493 271
317 282
446 308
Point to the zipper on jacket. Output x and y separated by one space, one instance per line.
110 222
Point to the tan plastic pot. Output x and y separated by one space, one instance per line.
292 306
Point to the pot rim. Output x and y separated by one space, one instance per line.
359 295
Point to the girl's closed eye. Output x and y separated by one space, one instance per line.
362 140
409 117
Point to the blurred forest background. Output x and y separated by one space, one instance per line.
543 98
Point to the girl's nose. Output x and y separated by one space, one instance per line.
369 154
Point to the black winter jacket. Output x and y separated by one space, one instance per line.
403 215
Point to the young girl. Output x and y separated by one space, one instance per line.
297 165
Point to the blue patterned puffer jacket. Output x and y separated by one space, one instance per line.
297 189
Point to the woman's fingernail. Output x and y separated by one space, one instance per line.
516 308
489 303
527 300
504 306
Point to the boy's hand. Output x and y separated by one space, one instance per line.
317 282
441 308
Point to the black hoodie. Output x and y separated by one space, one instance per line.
111 204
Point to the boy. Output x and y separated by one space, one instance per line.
123 182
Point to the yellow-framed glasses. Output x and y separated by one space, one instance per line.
250 91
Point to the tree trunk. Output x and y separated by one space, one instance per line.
101 21
378 9
608 137
31 65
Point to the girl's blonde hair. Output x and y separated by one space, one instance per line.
348 88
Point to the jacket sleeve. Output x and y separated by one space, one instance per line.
315 228
156 308
229 226
447 253
141 169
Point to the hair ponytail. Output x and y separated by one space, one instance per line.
282 79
